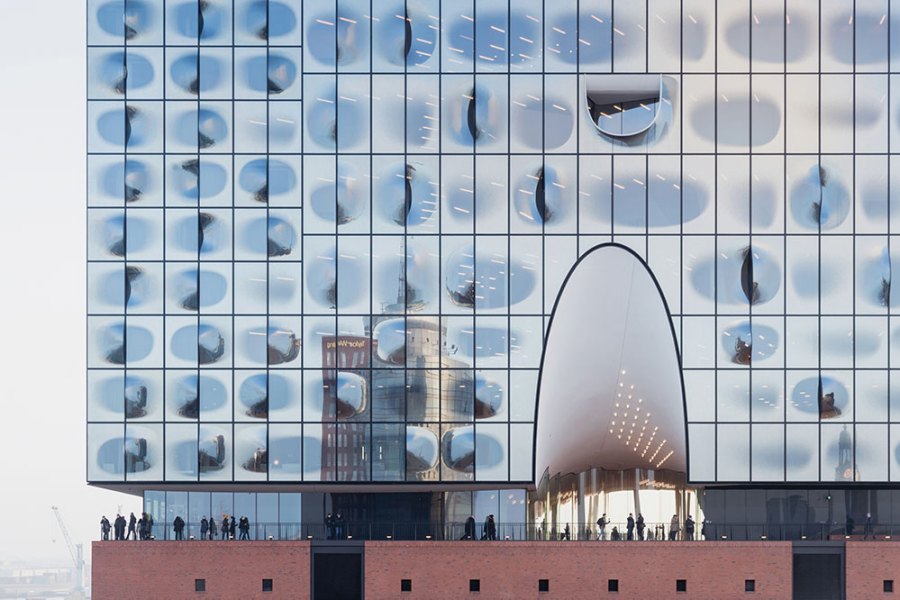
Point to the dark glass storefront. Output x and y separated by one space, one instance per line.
800 513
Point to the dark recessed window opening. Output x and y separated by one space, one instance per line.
543 585
406 585
474 585
199 585
749 585
267 585
681 585
889 586
612 585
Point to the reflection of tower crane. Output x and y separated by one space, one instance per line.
75 551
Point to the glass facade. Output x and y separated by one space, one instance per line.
325 238
269 514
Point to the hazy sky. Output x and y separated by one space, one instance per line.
42 283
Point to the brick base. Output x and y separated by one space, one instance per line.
504 569
155 570
868 565
578 569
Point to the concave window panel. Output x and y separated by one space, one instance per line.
872 452
422 450
286 445
182 452
623 106
213 452
251 454
106 457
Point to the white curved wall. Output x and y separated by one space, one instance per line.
610 391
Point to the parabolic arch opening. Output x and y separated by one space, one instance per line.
610 393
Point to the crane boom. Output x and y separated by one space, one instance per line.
75 550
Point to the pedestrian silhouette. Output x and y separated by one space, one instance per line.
104 528
470 529
132 522
178 526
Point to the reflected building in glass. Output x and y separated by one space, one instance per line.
550 258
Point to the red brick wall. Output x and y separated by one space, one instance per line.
714 570
868 565
155 570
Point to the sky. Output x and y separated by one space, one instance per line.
42 284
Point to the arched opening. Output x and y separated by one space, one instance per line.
610 420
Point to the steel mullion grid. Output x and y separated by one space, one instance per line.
715 448
199 196
405 251
125 141
784 242
887 416
819 257
268 258
750 236
367 320
332 419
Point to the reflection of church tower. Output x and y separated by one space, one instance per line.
416 381
345 375
844 470
408 299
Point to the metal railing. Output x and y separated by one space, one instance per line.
613 531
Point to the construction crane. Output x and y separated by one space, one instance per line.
76 552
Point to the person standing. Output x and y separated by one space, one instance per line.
674 528
245 528
330 526
121 527
470 529
224 527
601 524
212 528
689 529
204 527
704 529
850 525
640 526
132 524
869 530
629 528
492 528
232 528
566 533
339 526
178 526
104 529
148 519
